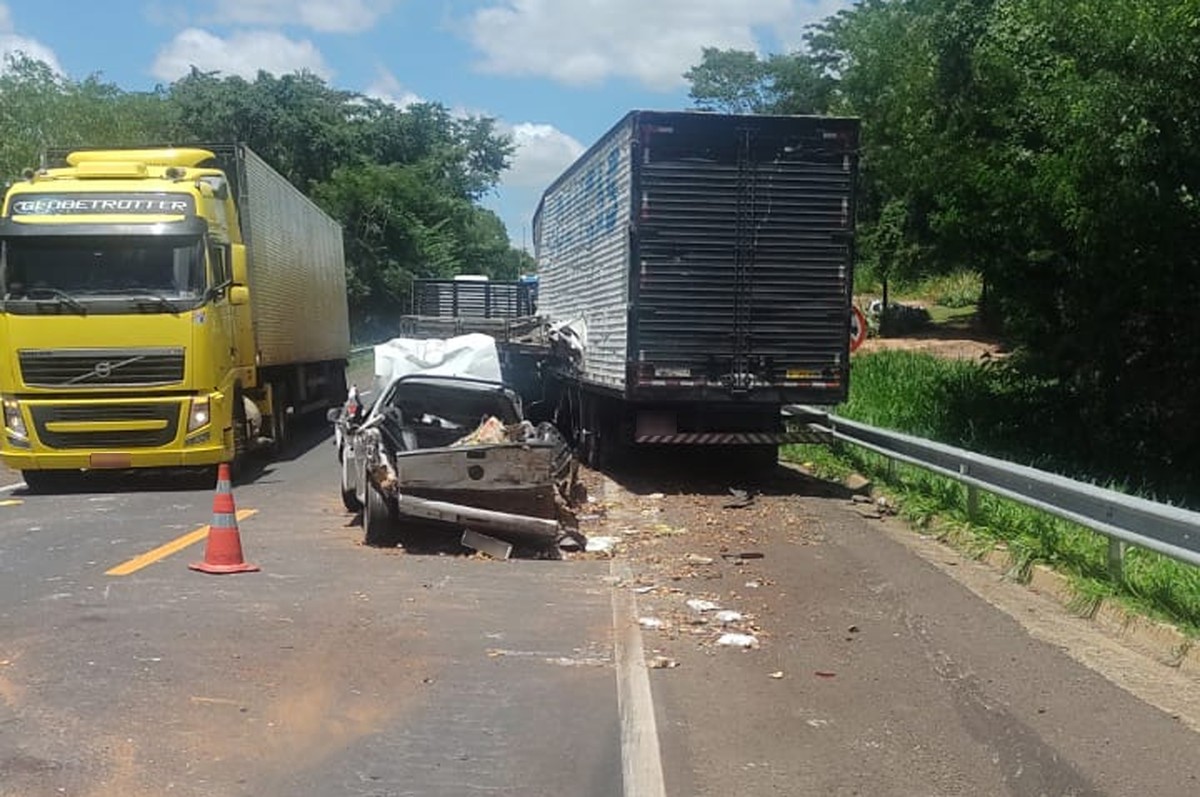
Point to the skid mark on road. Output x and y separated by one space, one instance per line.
163 551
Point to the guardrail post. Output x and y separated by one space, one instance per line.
1116 560
972 503
972 495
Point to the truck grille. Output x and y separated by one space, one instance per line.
100 413
81 368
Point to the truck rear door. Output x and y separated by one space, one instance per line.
742 255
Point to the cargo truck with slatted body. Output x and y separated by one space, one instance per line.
163 307
696 272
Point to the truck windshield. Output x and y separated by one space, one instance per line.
102 275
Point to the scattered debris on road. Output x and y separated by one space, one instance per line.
734 640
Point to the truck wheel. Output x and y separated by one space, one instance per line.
349 499
279 420
41 481
380 527
240 446
759 459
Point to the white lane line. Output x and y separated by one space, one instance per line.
641 760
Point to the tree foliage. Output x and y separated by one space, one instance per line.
1049 144
404 183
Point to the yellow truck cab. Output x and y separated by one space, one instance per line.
163 308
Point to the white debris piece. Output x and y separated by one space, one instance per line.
701 605
651 622
744 641
728 617
600 544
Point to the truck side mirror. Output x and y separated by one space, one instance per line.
239 294
238 266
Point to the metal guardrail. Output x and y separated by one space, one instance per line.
1124 519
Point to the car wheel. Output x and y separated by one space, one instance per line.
380 527
349 495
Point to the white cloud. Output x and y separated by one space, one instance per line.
326 16
388 88
581 42
11 43
243 53
542 153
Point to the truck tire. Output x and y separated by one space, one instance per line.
279 420
761 459
380 526
240 436
42 481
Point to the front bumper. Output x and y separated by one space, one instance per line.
150 432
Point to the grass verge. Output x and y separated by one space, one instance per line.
931 398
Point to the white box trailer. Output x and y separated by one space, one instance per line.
705 264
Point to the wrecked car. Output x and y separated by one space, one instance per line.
454 453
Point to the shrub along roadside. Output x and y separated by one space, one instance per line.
925 396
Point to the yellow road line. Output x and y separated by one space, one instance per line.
163 551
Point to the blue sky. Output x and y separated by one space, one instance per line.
556 74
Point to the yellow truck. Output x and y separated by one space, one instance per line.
170 307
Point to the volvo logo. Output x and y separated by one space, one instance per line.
103 369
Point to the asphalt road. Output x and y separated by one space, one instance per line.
344 670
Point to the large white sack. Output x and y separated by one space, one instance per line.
471 355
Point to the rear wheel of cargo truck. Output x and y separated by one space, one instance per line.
603 440
757 459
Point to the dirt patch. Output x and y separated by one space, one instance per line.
958 339
950 348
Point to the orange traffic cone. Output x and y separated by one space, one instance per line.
223 549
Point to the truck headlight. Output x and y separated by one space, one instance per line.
13 421
199 415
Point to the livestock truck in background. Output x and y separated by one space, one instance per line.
167 307
696 271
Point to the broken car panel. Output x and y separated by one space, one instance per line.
454 451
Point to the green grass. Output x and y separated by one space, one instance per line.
994 409
941 314
957 290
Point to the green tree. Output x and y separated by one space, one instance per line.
404 183
738 81
40 109
732 81
1052 145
